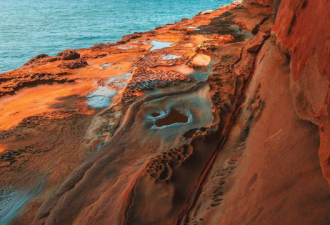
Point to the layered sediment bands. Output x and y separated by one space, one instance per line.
214 120
11 84
135 187
246 174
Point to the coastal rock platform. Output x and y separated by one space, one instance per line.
218 119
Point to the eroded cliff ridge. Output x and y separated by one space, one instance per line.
218 119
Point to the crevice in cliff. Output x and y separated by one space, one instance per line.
129 203
192 197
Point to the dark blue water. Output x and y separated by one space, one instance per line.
31 27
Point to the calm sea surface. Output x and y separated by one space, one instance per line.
31 27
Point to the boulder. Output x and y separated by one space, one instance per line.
69 54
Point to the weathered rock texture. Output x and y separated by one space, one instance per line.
228 124
301 32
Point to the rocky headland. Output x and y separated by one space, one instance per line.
219 119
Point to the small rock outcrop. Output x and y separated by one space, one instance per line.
69 54
36 58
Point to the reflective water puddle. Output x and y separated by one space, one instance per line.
170 57
119 82
124 76
195 28
107 64
101 97
171 117
11 202
160 45
125 47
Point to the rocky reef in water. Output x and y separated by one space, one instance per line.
219 119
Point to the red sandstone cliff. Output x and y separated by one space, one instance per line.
251 143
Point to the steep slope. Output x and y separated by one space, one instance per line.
304 35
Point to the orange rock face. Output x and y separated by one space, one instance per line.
218 119
307 40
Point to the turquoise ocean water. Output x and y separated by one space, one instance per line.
31 27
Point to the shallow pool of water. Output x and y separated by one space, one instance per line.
170 57
170 118
119 82
101 97
106 64
195 28
195 109
124 76
125 47
12 201
160 45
